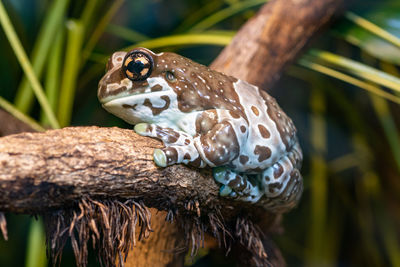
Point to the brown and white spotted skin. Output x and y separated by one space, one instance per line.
206 118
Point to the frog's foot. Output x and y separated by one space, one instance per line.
236 185
180 147
282 181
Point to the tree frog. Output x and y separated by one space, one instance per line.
206 118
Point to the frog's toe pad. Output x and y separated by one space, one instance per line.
219 174
141 128
225 190
160 158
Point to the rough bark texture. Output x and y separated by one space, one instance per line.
56 169
87 166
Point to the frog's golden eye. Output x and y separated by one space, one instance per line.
137 65
170 76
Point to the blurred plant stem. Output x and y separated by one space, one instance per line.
373 28
126 33
53 74
198 14
310 64
70 71
36 247
225 13
26 65
210 38
52 23
316 246
4 104
356 68
99 30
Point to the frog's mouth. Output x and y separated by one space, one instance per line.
125 100
142 104
126 89
142 107
123 95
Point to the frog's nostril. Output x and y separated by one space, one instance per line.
115 60
109 65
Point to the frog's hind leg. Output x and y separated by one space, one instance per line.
180 147
282 182
236 185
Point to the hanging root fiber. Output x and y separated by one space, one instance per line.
114 227
111 226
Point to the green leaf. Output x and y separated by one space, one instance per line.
220 38
356 68
53 74
206 38
51 24
7 106
346 78
100 28
26 65
70 72
36 248
126 34
225 13
377 32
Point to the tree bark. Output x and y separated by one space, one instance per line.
273 38
55 169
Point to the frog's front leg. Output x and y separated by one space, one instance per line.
179 146
222 136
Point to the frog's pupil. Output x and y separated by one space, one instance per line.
135 67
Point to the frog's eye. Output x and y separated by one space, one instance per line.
170 76
137 65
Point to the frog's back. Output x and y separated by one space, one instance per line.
270 131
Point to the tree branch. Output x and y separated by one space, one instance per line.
56 168
273 38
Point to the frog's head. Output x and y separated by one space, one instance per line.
134 88
143 86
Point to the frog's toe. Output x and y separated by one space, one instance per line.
225 190
160 158
219 174
141 128
236 185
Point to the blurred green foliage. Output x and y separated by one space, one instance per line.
350 211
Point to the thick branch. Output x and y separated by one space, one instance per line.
274 38
57 168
